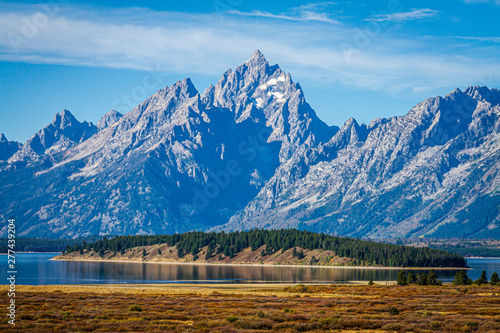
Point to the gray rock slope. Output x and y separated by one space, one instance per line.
433 172
8 148
250 152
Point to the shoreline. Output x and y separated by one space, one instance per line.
203 285
259 288
30 252
497 258
262 265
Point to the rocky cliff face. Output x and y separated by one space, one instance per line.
63 133
431 172
109 119
8 148
251 152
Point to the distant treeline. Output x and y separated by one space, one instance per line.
41 245
470 251
229 244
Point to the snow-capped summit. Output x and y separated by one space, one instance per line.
260 92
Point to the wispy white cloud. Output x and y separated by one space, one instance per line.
304 16
412 15
202 44
480 39
494 2
309 12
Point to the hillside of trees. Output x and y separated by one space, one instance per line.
470 251
228 245
40 245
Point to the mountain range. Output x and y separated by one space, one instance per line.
251 152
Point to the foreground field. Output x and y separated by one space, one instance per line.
254 308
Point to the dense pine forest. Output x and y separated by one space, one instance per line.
41 245
470 251
229 244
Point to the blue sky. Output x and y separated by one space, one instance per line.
353 59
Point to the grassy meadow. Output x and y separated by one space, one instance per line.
254 308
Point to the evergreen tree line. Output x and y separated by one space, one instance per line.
229 244
422 279
469 251
430 279
39 245
461 279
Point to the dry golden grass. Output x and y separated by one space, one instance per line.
254 308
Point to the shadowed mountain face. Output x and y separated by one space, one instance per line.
250 152
8 148
433 172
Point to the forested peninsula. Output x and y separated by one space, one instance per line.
276 247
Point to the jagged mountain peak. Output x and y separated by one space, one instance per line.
351 122
410 175
109 119
440 119
477 93
260 92
65 113
177 93
257 55
160 106
250 150
234 89
8 148
64 118
185 87
483 93
256 61
64 132
350 133
455 104
179 90
250 82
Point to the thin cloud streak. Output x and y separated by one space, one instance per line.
414 14
310 12
305 16
480 39
200 44
493 2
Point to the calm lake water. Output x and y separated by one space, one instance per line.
37 269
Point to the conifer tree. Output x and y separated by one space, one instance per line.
432 278
461 278
411 279
494 279
483 278
401 281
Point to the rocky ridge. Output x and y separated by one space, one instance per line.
250 152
